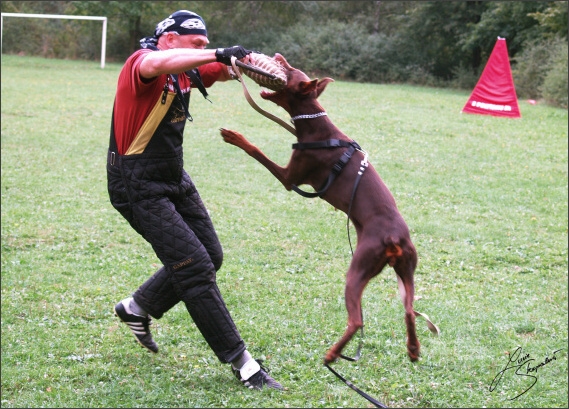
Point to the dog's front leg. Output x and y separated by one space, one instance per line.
235 138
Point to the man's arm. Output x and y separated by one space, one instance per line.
177 60
174 61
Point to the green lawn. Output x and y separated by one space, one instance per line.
485 199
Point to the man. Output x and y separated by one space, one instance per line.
149 187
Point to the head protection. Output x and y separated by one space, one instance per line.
181 22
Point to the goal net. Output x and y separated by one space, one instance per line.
61 16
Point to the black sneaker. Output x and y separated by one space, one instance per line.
137 324
255 376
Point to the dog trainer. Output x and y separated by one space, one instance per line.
149 187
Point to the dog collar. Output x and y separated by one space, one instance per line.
294 118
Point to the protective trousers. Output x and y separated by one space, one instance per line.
171 216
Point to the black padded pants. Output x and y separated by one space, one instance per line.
174 220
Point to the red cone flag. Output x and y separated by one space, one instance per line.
495 94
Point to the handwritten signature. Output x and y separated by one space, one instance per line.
522 364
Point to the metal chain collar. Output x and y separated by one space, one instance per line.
294 118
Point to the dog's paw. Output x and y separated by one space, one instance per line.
232 137
331 357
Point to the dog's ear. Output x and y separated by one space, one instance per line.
306 87
322 85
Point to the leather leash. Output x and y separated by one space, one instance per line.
375 402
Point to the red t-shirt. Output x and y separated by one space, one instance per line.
135 98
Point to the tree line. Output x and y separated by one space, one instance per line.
436 43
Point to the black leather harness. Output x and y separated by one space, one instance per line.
338 167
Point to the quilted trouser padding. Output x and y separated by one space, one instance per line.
171 216
210 315
180 232
190 275
208 311
157 295
118 195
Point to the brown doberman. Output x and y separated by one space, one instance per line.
328 160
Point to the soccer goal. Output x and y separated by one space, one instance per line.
62 16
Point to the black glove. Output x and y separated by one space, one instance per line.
224 55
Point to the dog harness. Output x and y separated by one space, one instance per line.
337 168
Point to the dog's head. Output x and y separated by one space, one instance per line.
298 87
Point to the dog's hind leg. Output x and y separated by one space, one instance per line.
355 285
404 262
363 268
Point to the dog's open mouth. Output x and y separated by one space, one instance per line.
266 94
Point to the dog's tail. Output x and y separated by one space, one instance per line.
392 249
403 293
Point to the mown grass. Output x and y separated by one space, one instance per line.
485 198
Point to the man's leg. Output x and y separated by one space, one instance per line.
191 276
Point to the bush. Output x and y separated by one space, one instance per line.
529 69
378 60
330 50
540 71
464 78
323 49
52 38
554 88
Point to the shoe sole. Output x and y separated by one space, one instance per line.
135 337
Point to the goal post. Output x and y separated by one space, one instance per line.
62 16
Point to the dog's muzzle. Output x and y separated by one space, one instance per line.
260 66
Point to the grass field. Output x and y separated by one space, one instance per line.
485 199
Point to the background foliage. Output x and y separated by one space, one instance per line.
426 43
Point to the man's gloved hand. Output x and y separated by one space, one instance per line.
224 55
